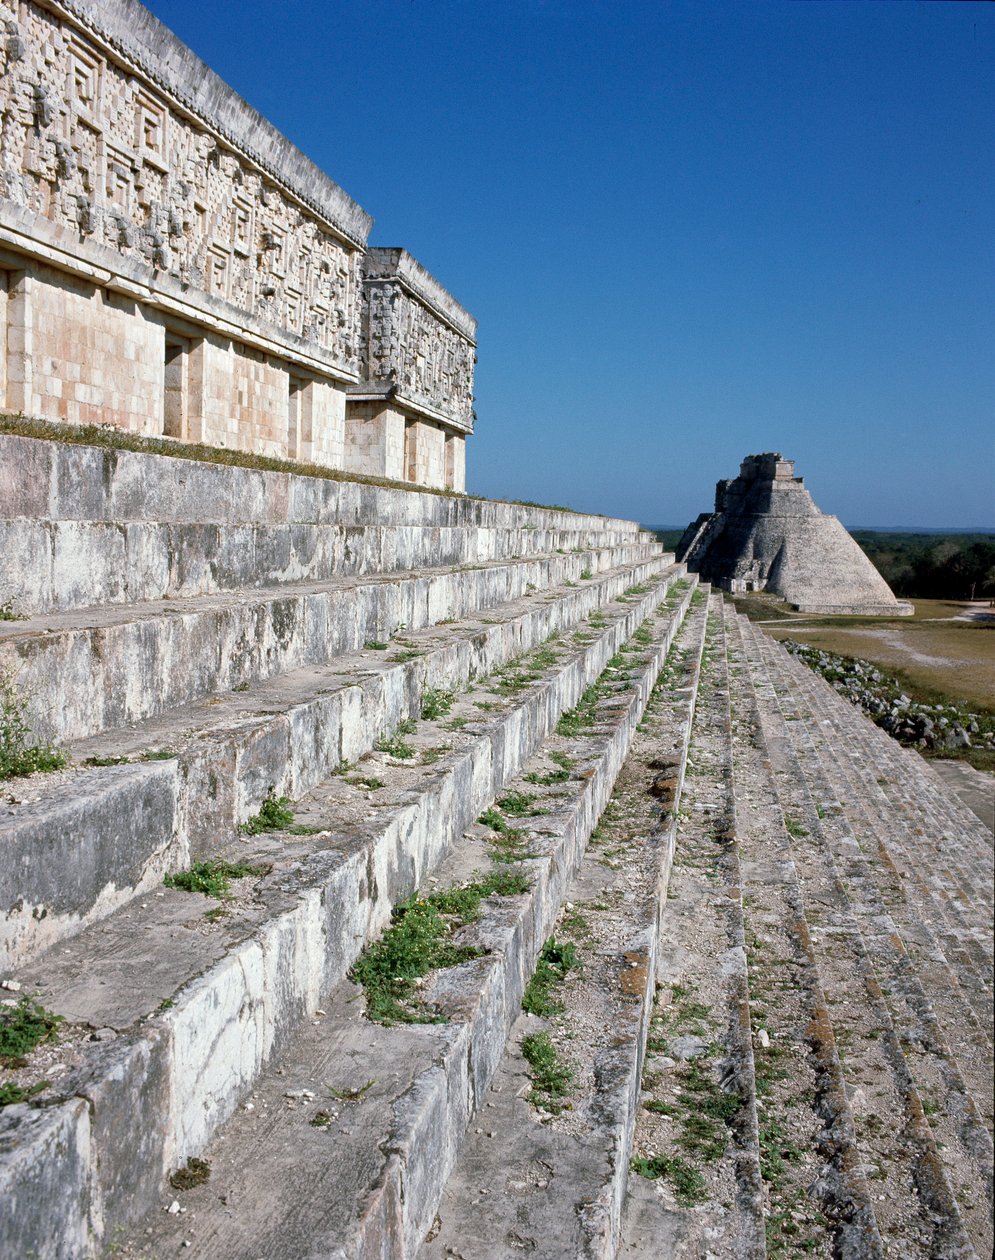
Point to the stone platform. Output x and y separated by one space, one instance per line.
778 1029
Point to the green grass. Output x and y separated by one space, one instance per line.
435 703
20 753
518 804
22 1028
274 815
689 1185
7 612
395 745
578 720
552 966
368 781
11 1093
213 879
549 778
418 941
551 1078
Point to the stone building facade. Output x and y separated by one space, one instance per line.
766 534
171 264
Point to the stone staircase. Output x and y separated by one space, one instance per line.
767 1022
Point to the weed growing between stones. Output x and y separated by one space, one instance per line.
418 941
395 745
195 1173
19 753
519 804
551 1077
579 719
275 815
213 879
509 844
11 1093
368 781
24 1026
435 704
7 612
554 962
689 1184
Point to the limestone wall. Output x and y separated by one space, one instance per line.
170 263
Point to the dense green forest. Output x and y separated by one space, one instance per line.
933 566
922 566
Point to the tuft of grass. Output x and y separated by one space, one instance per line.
213 879
554 961
368 781
195 1173
585 575
435 703
518 804
549 778
689 1184
11 1093
22 1028
274 815
355 1094
7 612
551 1078
418 941
395 746
19 753
374 645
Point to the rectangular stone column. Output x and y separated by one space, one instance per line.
374 440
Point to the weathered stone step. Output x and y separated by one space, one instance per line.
550 1179
815 1188
891 1048
63 565
47 479
700 1190
943 867
85 525
101 669
933 931
189 1063
221 759
902 784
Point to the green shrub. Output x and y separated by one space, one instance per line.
19 753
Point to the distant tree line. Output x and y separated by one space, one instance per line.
921 566
933 566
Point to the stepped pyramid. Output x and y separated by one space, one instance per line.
766 534
566 914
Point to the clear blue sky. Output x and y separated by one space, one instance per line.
689 231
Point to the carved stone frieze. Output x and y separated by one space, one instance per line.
417 339
105 158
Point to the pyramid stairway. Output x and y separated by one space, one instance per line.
765 928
